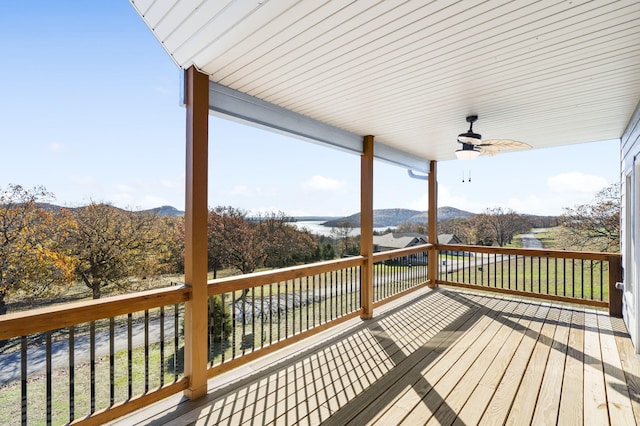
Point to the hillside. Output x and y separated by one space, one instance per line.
166 211
160 211
394 217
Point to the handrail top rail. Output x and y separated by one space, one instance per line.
256 279
567 254
59 316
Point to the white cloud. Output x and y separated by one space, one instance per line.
321 183
576 182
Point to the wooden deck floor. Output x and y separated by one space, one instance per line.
437 357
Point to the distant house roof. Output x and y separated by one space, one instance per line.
449 239
396 240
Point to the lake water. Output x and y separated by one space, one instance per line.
316 228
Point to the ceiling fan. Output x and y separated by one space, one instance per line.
473 145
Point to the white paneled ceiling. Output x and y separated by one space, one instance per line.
546 73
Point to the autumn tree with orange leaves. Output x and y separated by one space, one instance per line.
33 259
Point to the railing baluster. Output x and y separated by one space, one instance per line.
129 356
112 364
286 309
23 377
263 334
308 325
176 341
146 351
253 318
582 277
210 328
244 320
539 275
92 351
547 275
324 299
300 323
49 373
223 335
311 293
270 313
601 280
72 374
162 346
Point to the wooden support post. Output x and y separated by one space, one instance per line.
433 225
615 295
195 254
366 227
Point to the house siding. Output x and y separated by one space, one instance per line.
630 189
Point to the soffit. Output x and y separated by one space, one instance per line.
547 73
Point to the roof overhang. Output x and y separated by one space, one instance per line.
545 73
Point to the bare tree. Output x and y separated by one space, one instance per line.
496 225
233 240
342 234
285 245
594 226
112 246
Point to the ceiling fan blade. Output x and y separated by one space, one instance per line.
494 146
505 144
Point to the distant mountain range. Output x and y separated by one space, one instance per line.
394 217
381 217
160 211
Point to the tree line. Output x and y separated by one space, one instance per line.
593 226
43 251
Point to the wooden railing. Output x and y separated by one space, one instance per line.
586 278
101 371
249 316
397 271
268 310
272 309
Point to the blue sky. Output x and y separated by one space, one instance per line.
90 109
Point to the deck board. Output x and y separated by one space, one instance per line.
524 404
477 403
436 357
630 366
618 400
571 402
595 396
548 403
500 405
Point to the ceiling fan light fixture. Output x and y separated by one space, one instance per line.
468 152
